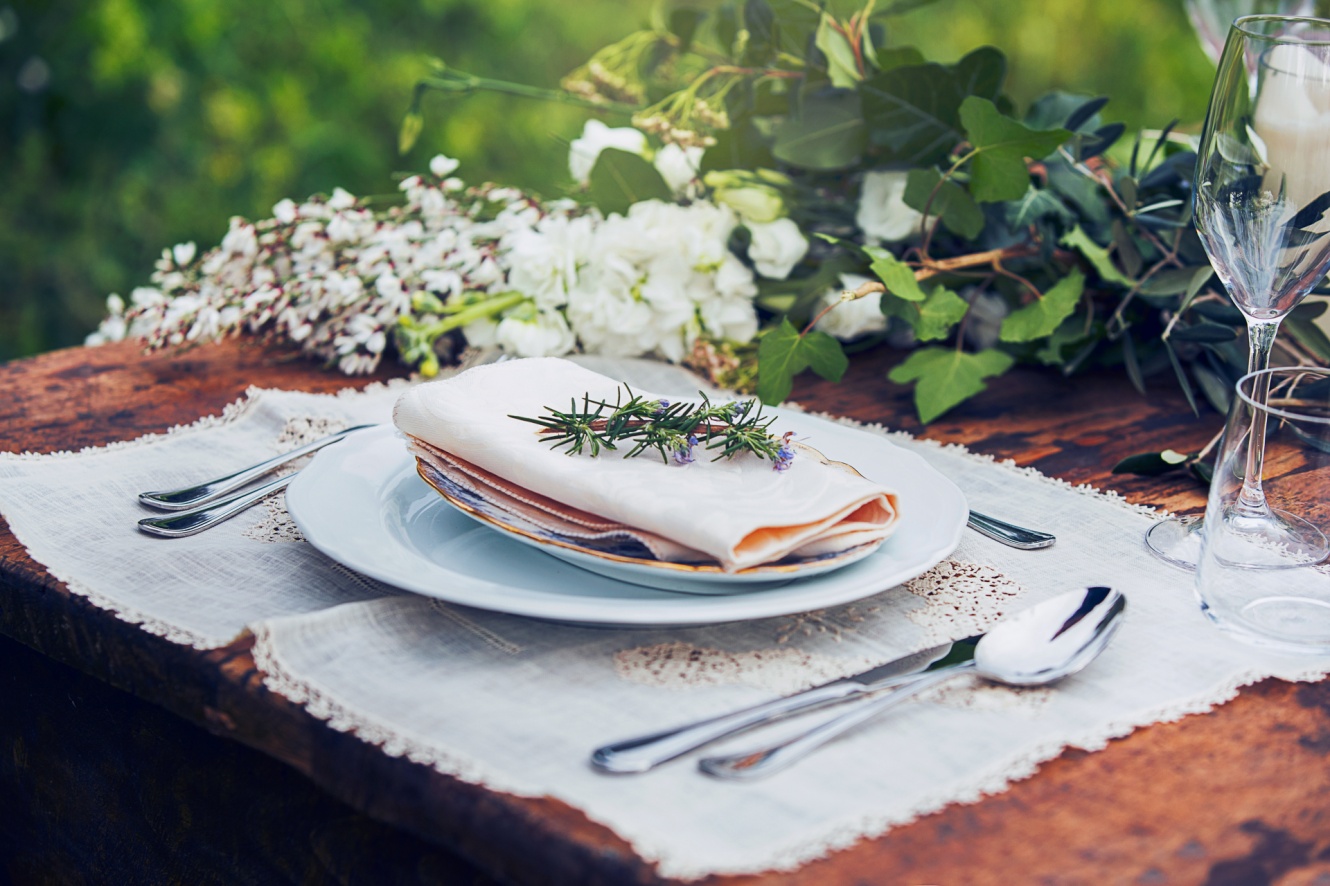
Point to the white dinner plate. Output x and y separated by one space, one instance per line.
362 503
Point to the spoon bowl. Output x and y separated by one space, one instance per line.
1034 647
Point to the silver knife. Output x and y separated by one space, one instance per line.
633 755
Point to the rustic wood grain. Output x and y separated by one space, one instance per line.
1240 795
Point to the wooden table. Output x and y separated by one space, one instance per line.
126 758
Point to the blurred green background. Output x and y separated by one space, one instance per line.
131 125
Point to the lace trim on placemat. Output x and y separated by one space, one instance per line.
997 778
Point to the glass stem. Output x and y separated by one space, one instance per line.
1260 340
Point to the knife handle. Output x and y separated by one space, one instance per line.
633 755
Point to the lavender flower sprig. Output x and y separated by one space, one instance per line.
673 430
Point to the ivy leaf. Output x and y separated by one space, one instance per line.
824 355
953 204
779 360
841 65
981 73
911 112
947 377
1306 333
1041 317
1097 255
1037 204
620 178
898 57
934 317
783 353
826 134
1001 144
897 276
1070 332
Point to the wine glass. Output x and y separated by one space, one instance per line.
1211 19
1262 190
1262 574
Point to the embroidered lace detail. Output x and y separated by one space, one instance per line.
307 429
962 599
832 622
276 525
681 665
977 694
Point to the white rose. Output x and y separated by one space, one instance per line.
678 166
544 334
851 319
883 215
776 248
596 137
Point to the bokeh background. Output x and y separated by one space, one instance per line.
130 125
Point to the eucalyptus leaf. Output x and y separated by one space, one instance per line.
619 179
1151 464
1036 205
1043 315
946 377
1217 390
1211 333
1171 281
1309 335
1001 144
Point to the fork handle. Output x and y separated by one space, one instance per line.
1008 533
773 758
184 523
192 496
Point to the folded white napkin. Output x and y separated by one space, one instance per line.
738 511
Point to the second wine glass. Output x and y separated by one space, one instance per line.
1262 190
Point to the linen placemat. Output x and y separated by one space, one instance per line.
518 704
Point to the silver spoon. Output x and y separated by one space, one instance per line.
193 496
1036 646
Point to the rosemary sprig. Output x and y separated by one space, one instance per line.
673 430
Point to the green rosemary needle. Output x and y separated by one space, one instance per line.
673 430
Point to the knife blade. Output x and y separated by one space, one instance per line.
635 755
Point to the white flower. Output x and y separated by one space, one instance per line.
443 166
544 260
284 211
851 319
776 248
883 215
596 137
341 199
678 166
183 253
535 334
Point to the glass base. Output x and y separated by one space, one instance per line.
1176 541
1292 624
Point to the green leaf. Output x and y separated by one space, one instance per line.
826 134
1150 464
953 204
931 319
898 57
1174 281
1072 331
1001 144
412 124
779 360
981 73
1037 204
1042 316
947 377
1209 333
897 276
1097 255
911 112
760 22
683 22
619 179
824 355
841 65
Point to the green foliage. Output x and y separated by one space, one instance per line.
946 377
784 352
1000 146
619 179
1045 314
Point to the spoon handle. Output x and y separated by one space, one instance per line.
773 758
183 523
192 496
1010 534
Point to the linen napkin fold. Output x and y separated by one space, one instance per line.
738 512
